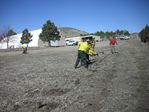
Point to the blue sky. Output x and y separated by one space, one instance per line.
86 15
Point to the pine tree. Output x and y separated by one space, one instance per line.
49 32
144 34
26 37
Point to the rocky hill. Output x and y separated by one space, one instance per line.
71 32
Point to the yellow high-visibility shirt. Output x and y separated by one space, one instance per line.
24 45
84 46
91 51
78 45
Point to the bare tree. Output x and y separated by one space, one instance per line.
5 34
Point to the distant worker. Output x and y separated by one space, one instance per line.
92 50
83 50
24 46
113 43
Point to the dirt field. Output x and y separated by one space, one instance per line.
44 80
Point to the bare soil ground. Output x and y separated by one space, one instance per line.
44 80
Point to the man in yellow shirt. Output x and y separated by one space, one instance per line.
92 49
84 48
24 46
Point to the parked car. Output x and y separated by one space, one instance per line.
124 37
70 42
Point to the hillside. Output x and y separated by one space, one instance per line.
46 81
71 32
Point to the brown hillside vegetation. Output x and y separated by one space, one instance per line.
71 32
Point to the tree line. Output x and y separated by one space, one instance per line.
111 33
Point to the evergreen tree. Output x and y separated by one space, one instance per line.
144 34
141 34
101 34
26 37
108 34
49 32
117 32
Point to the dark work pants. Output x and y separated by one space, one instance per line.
24 50
87 56
82 56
